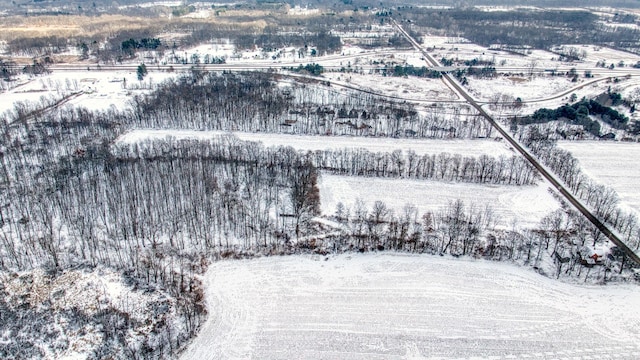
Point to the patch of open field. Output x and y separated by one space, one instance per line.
394 306
526 205
613 164
312 143
526 88
409 88
69 25
100 90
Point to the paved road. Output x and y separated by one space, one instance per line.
516 145
606 74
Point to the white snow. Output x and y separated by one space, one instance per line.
609 55
527 205
101 90
312 143
527 88
524 204
403 88
397 306
297 10
614 164
88 292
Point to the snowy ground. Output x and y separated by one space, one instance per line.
527 88
613 164
395 306
407 88
549 92
101 90
526 204
609 55
462 49
304 142
87 292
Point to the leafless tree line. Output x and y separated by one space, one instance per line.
602 199
483 169
460 229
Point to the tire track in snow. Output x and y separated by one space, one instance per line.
395 306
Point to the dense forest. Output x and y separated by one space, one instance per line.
158 212
77 199
582 113
541 29
74 196
254 103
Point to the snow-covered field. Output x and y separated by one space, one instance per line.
526 88
613 164
526 204
609 55
409 88
305 142
462 49
100 89
396 306
548 92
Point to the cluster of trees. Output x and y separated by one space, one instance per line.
253 102
483 72
141 71
455 230
478 62
313 69
37 46
124 44
38 67
153 211
120 45
410 70
602 199
8 70
475 62
538 29
570 53
461 229
182 10
130 46
579 114
483 169
479 72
